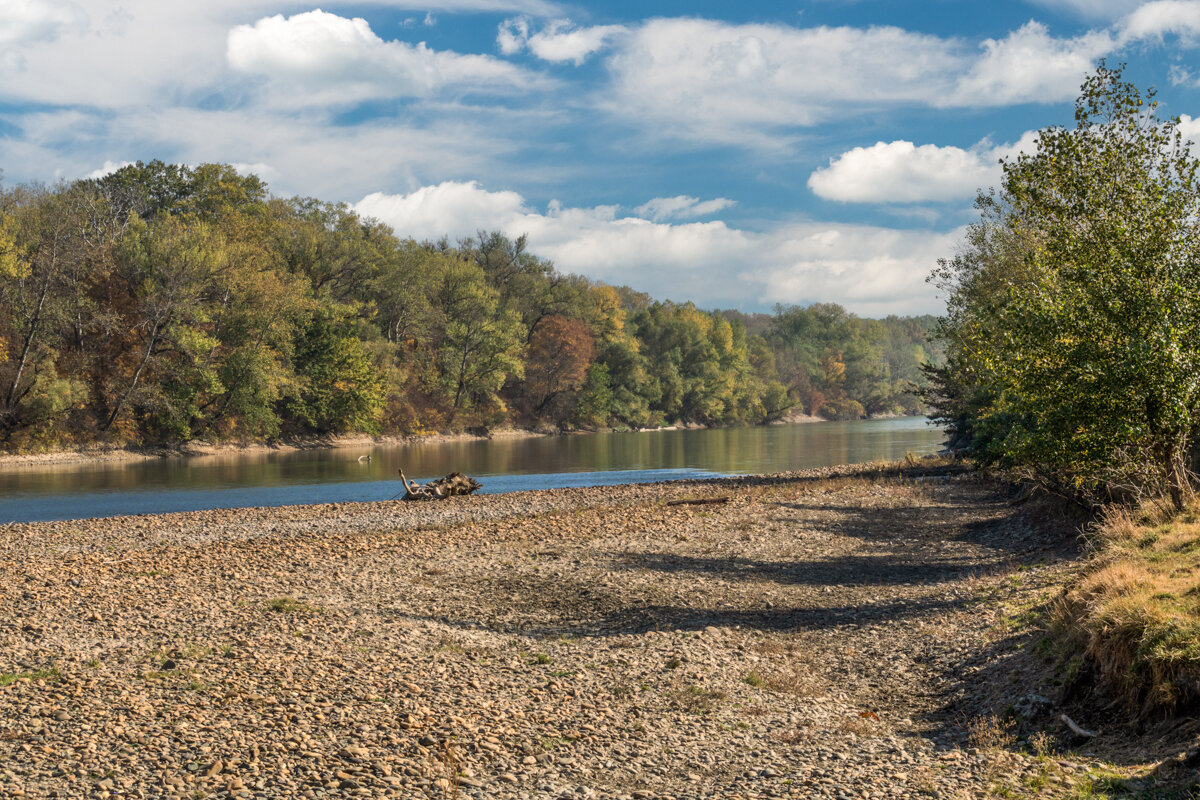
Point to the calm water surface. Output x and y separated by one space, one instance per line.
72 491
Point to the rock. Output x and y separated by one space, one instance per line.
1032 706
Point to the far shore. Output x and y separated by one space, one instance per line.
101 453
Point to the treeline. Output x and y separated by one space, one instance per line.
1073 325
163 303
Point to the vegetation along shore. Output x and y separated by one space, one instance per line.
164 304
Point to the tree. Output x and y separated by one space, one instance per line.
557 361
39 244
166 267
1074 326
341 390
478 344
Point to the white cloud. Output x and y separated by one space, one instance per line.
559 41
710 80
1190 128
109 168
681 207
756 85
1155 20
321 58
447 209
869 269
901 172
1030 65
27 21
298 154
24 23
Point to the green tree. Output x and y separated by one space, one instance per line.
1082 363
166 268
479 345
341 390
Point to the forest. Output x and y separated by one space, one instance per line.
164 303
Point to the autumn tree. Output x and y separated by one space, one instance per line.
556 363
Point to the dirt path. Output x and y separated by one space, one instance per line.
829 634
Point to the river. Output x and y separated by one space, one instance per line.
188 483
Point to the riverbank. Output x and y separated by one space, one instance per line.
194 449
836 632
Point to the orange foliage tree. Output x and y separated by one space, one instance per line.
557 361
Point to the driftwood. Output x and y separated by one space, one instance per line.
1078 731
449 486
699 501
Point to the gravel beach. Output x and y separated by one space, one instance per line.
836 633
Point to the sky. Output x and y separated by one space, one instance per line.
737 155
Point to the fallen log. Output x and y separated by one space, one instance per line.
699 501
1078 731
453 484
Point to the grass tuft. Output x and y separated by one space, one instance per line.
1135 613
290 605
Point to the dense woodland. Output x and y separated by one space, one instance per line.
162 303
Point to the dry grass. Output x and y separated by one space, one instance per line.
695 699
791 671
1136 611
991 732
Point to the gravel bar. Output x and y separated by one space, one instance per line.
833 633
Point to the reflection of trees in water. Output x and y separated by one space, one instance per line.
751 449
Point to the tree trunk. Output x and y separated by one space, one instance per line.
34 324
453 484
133 383
1179 481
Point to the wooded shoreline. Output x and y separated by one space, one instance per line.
347 441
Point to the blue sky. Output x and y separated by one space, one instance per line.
736 155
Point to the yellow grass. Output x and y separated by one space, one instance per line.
1137 609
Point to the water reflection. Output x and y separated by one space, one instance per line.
67 491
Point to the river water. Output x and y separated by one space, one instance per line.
189 483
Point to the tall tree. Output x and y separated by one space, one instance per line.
1090 361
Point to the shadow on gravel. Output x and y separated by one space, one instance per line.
556 606
640 619
884 570
1010 529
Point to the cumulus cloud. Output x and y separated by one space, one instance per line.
559 41
1190 127
755 84
902 172
318 57
720 82
681 207
869 269
109 168
1157 19
1030 65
